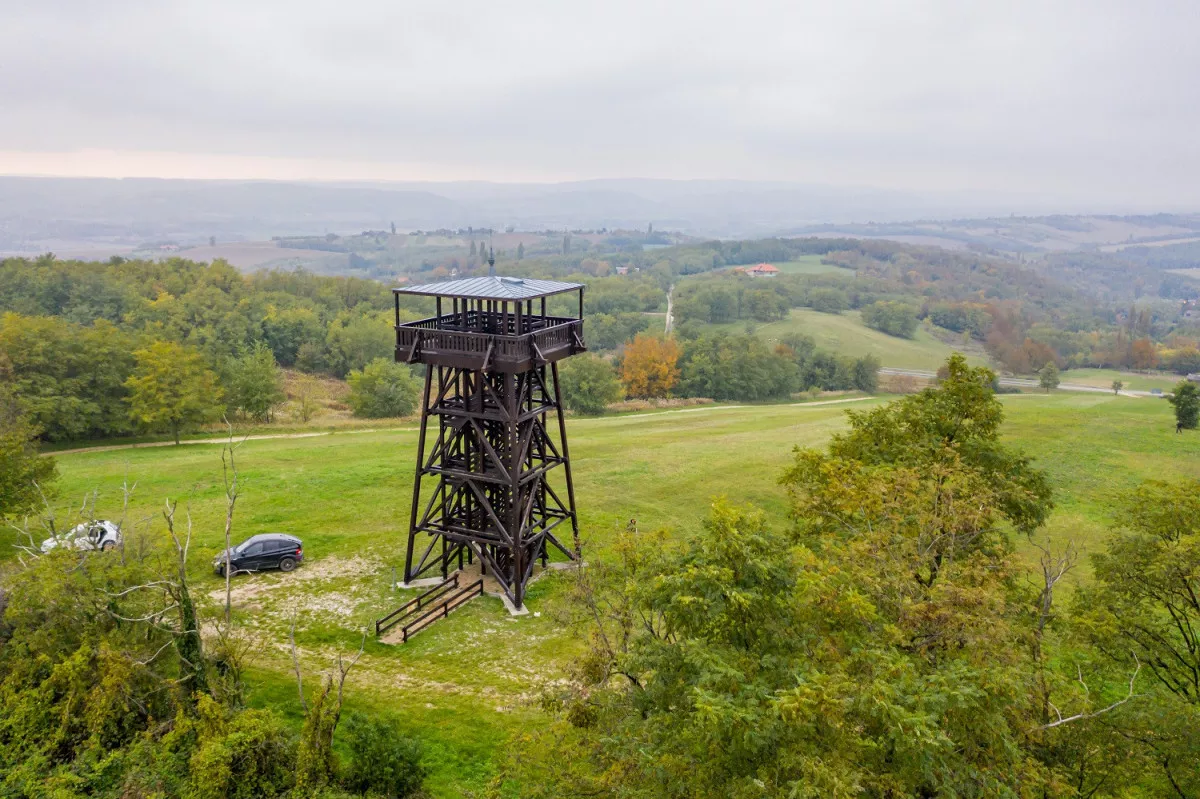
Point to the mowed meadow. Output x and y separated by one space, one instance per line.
470 681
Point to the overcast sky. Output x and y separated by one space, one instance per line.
1092 100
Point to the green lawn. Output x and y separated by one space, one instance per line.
1134 381
845 334
466 684
809 265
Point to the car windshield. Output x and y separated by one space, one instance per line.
240 548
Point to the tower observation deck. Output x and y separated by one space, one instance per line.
482 487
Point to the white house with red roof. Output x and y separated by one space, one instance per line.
763 270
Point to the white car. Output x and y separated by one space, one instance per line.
98 534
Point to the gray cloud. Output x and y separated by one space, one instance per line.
1093 101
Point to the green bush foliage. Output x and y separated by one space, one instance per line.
383 759
589 384
894 318
382 389
1186 400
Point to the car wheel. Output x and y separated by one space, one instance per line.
109 546
287 564
221 571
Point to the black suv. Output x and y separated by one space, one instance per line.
264 551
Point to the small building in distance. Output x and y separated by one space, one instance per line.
763 270
1195 378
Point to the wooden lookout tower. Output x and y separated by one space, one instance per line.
482 486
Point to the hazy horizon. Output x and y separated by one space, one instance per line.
1081 102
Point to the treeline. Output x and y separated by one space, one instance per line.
315 323
889 641
718 366
101 350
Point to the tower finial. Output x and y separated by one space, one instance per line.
491 262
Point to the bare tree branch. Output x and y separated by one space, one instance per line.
296 665
230 474
1081 716
150 659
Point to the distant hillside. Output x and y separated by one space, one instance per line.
1025 235
71 214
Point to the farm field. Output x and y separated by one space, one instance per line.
845 334
465 685
252 255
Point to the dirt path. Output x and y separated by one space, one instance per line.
268 437
225 439
705 408
670 309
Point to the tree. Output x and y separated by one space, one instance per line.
255 384
1117 385
1144 608
589 383
1184 361
69 379
393 228
957 421
866 373
520 250
1186 400
1048 376
22 470
471 254
383 388
212 241
355 340
566 245
650 366
735 367
287 330
306 392
610 331
828 300
894 318
1143 355
172 388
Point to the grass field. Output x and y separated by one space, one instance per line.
810 265
845 334
1134 381
464 685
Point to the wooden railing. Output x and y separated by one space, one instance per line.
441 609
424 342
491 323
415 605
436 603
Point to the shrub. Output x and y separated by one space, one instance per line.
382 389
248 754
382 758
589 383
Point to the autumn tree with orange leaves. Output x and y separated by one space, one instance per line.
650 366
1143 354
